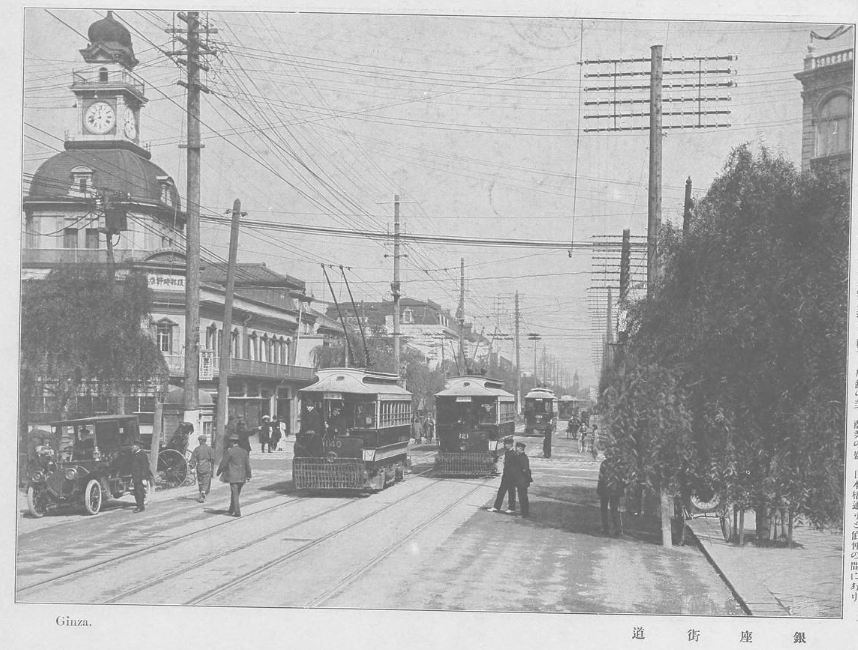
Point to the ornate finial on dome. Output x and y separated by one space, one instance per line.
109 41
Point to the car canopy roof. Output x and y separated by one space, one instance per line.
475 387
356 381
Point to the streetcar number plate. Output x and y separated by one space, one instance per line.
463 436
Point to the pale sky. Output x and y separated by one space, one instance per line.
319 119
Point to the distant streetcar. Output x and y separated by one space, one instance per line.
355 427
566 407
540 411
474 414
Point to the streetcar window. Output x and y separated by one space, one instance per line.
364 415
488 413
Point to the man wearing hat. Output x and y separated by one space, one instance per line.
203 459
140 472
265 434
521 477
236 466
506 486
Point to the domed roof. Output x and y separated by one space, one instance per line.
109 30
114 169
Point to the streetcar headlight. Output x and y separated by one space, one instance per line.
71 473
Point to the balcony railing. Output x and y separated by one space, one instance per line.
825 60
50 256
92 77
246 368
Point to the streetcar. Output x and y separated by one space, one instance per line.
355 427
540 411
474 414
566 407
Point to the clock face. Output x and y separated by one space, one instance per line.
99 118
130 121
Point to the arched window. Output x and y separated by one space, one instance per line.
234 345
287 352
211 337
833 126
252 347
263 348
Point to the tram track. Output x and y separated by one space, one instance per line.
158 546
266 567
363 570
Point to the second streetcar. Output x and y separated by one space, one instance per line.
540 411
473 414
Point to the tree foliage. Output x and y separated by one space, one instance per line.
82 331
750 318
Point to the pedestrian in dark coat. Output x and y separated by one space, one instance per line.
546 442
203 459
521 477
275 433
236 466
265 434
506 486
140 472
610 488
243 434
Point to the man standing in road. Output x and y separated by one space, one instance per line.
506 485
265 434
243 434
203 459
140 472
521 477
546 442
236 465
610 488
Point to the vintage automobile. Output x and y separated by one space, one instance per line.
88 461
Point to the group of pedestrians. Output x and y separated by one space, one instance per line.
515 479
586 435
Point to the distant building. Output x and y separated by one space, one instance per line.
425 326
827 91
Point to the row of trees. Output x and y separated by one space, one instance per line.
82 332
734 376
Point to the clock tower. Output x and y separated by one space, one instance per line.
109 96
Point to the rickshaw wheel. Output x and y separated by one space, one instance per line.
92 496
172 469
36 502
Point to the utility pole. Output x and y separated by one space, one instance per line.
192 252
219 443
686 213
517 359
654 201
460 315
395 287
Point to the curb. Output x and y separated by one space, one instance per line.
720 573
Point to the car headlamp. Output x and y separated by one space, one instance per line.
37 476
71 474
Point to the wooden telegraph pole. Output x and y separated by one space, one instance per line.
517 359
193 47
226 339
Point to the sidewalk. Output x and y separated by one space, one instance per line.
804 581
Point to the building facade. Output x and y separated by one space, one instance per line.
827 91
104 174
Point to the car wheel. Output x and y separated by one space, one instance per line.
36 502
92 496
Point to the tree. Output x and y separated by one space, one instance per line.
82 331
750 317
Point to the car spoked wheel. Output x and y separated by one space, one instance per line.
36 502
92 497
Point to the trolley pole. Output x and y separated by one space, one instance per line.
517 360
395 287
